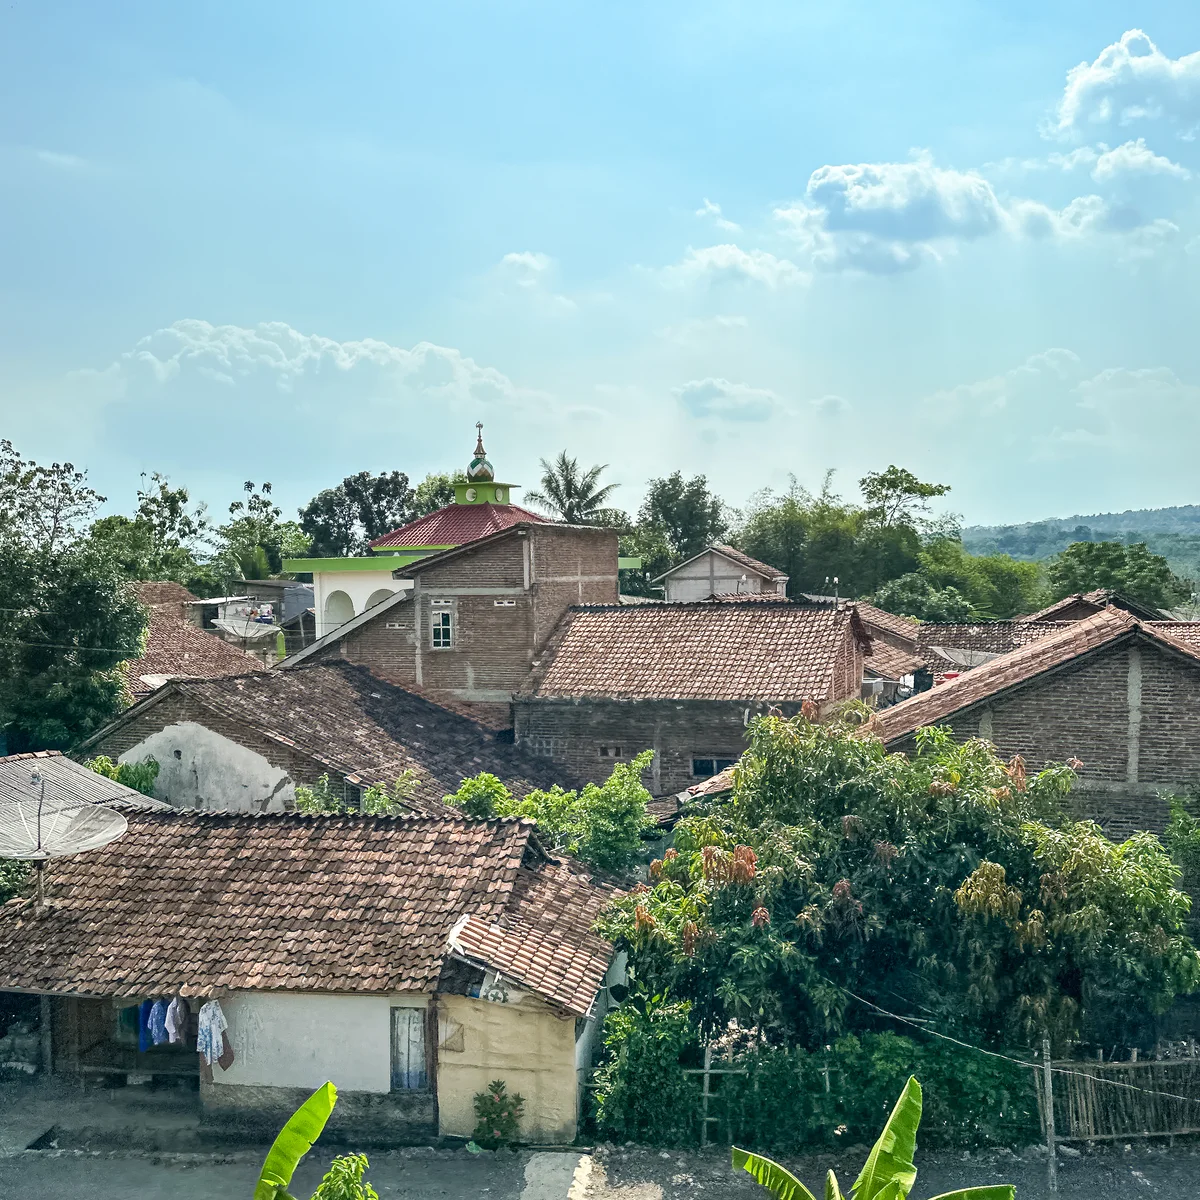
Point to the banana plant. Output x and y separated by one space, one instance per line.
295 1140
888 1173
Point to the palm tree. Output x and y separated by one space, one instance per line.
572 494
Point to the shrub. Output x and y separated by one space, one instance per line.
140 776
497 1115
376 801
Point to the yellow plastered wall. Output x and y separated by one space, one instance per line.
531 1048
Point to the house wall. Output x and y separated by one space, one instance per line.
505 598
713 574
359 587
527 1045
1130 713
221 764
574 732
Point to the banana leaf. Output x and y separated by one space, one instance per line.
294 1142
832 1191
779 1181
889 1173
998 1191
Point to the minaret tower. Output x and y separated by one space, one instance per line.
481 486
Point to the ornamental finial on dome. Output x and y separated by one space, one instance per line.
480 470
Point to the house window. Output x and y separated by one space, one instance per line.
611 752
706 768
408 1049
442 623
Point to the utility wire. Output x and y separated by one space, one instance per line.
1020 1062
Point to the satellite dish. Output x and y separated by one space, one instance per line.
38 828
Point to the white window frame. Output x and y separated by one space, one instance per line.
441 629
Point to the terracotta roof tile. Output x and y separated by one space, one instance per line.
877 618
751 564
457 524
175 647
977 638
356 725
194 903
890 662
155 592
727 651
1067 641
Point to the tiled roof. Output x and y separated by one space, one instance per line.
544 940
355 725
68 782
456 524
890 662
156 592
702 651
1065 642
1097 598
1187 632
877 618
979 638
751 564
175 647
196 903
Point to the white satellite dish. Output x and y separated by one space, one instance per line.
37 827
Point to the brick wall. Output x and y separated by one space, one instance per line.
848 670
583 735
504 598
1130 713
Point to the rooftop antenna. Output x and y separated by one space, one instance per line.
738 589
37 828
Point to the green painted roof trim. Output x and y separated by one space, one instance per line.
629 564
380 562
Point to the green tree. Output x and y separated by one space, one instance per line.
254 524
140 776
898 497
69 621
342 521
603 825
378 800
1131 570
995 585
687 514
945 883
435 491
572 494
912 595
43 508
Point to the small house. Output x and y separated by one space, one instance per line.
720 570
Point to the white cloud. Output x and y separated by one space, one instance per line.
233 355
732 262
727 401
713 211
700 328
1135 158
528 263
533 270
1091 216
1131 81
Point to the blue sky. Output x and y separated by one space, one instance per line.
292 241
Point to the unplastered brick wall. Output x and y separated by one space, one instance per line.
568 566
848 670
589 736
1130 713
175 709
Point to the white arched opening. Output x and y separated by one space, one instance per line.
378 597
339 609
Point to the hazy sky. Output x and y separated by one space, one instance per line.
296 240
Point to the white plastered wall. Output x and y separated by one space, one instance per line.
527 1045
713 574
199 768
282 1039
359 586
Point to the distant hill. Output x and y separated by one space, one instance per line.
1171 532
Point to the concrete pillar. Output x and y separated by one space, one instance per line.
1133 697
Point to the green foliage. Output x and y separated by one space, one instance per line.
43 508
376 801
687 514
69 621
641 1093
14 875
140 776
994 585
254 538
1182 837
342 521
572 494
912 595
1131 570
344 1180
889 1172
294 1141
435 491
497 1116
481 796
601 824
897 496
945 883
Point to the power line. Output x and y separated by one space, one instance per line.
1020 1062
